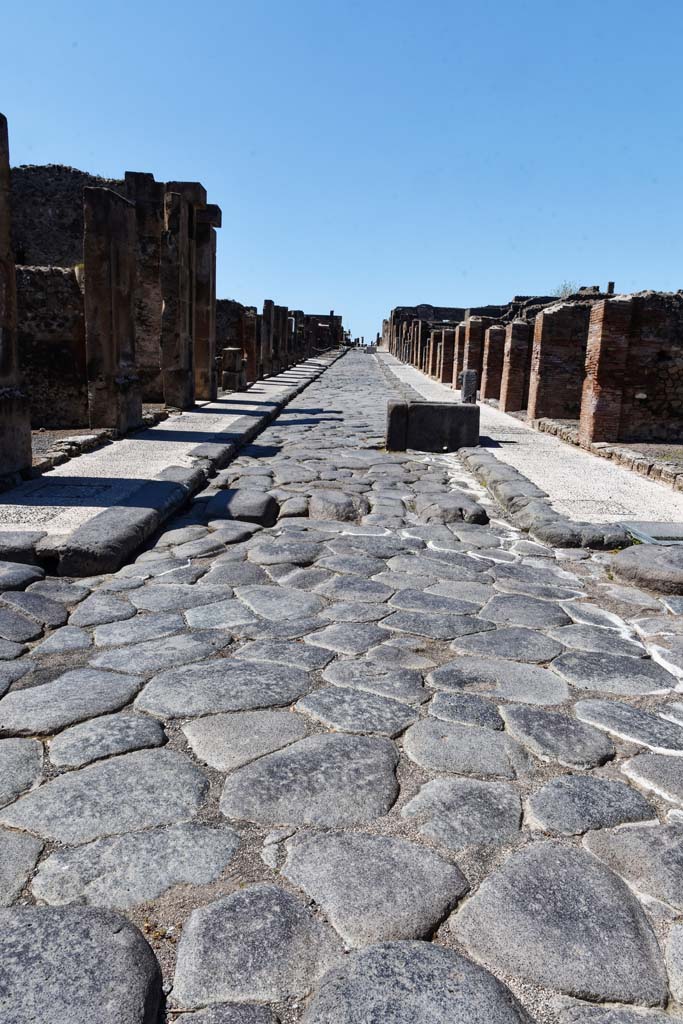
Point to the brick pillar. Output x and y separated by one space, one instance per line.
447 355
439 355
474 344
147 195
177 288
514 382
557 361
267 329
432 353
205 376
492 365
458 354
606 361
109 244
250 340
423 345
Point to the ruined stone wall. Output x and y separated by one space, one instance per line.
557 361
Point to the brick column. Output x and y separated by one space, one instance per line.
205 375
447 354
606 361
492 365
147 195
474 344
178 292
267 329
557 361
514 381
432 353
458 354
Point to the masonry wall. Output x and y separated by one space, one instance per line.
557 361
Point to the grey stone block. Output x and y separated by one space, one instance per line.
431 426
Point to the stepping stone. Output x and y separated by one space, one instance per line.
291 552
63 641
591 939
573 804
525 611
410 982
104 737
463 749
499 678
513 642
15 576
347 637
599 639
659 774
225 684
21 766
100 608
436 625
173 597
322 780
226 742
401 684
259 944
133 791
45 611
221 615
79 694
250 505
156 655
613 673
284 652
18 856
649 857
628 723
17 627
125 870
279 602
419 601
142 627
582 1013
467 708
554 737
460 813
374 888
353 588
349 710
652 566
355 612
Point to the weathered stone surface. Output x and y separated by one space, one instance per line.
18 856
133 791
583 1013
125 870
466 812
674 962
285 652
221 615
284 552
519 610
347 637
514 642
209 687
354 565
329 504
354 588
419 601
250 505
173 597
463 749
10 650
467 708
156 655
597 638
552 736
35 606
282 629
21 766
437 625
231 1013
17 627
374 888
554 916
258 944
142 627
10 672
402 684
648 856
658 773
351 611
613 673
497 677
100 608
228 741
350 710
75 964
279 602
64 640
652 566
104 737
15 576
322 780
407 982
630 724
573 804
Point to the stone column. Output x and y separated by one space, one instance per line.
250 342
147 195
109 258
447 355
474 344
514 381
176 322
15 424
492 366
606 362
205 382
557 361
432 352
267 329
458 354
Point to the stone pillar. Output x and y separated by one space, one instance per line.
147 195
557 361
177 289
447 355
109 258
250 342
233 376
432 353
474 344
15 424
267 330
205 383
458 353
514 381
606 362
492 366
469 387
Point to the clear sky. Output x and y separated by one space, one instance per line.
377 153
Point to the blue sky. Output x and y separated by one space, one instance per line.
372 154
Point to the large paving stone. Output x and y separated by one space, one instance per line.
100 608
514 642
436 625
374 888
242 503
279 602
221 615
519 610
231 1013
282 629
583 1013
21 766
17 627
233 574
133 791
258 944
224 684
280 552
628 723
556 917
228 741
572 804
142 627
613 673
652 566
124 870
499 678
322 780
9 650
43 609
419 601
156 655
659 774
467 708
285 652
18 856
554 737
354 588
172 597
463 749
354 565
104 737
15 576
63 641
348 637
649 857
466 812
349 710
73 965
73 697
410 982
674 962
349 611
402 684
597 638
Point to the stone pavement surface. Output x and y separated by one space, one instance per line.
361 765
580 485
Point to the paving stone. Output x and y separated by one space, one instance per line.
10 650
419 601
233 574
101 608
460 813
652 566
374 888
572 804
21 766
351 710
467 708
520 610
630 724
552 737
404 580
613 673
556 917
182 535
59 590
355 612
142 627
407 982
499 678
282 629
649 857
324 780
306 579
133 791
156 655
203 548
229 741
46 611
291 552
354 565
378 547
104 737
331 504
72 697
347 637
545 591
63 641
401 684
463 749
177 596
354 588
232 531
657 773
597 638
475 593
279 602
514 642
419 565
437 625
15 576
582 1013
260 943
122 871
18 856
250 505
10 671
389 653
221 615
17 627
674 962
209 687
285 652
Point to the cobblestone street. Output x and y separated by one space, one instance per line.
384 760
